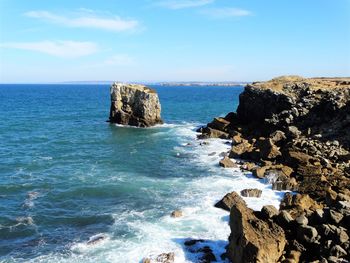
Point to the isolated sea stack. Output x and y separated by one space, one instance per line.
134 105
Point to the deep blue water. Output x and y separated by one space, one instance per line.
66 174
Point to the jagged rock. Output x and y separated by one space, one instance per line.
161 258
208 132
284 219
334 216
259 172
338 251
269 211
307 234
227 163
228 201
252 239
251 192
166 258
239 149
176 213
268 150
219 124
302 220
277 136
134 105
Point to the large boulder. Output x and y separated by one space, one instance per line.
134 105
253 239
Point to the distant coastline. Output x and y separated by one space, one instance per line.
163 83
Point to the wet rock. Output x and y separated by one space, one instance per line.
227 163
96 239
249 166
176 213
259 172
252 239
252 192
166 258
134 105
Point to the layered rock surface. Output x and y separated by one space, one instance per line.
134 105
297 130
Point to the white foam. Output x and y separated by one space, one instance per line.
200 220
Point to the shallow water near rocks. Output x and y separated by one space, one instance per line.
67 177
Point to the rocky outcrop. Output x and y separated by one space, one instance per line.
253 239
297 130
134 105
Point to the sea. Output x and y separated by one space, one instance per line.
69 178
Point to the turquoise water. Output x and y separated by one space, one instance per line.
67 175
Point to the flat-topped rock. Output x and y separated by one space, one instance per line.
134 105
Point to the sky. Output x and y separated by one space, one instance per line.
172 40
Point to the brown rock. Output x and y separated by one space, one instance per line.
277 136
166 258
239 149
252 239
134 105
176 213
249 166
259 172
228 201
219 124
227 163
269 211
251 192
268 150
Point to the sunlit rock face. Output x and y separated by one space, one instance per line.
134 105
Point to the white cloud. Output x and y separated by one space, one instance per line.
86 20
65 49
180 4
226 12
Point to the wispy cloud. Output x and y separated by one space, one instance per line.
226 12
86 20
180 4
65 49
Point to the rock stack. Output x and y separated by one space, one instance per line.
297 131
134 105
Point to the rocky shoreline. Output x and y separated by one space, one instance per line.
295 133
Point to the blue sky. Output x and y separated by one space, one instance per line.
172 40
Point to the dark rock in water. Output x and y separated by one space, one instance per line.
134 105
227 163
251 192
228 201
194 246
192 242
252 239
